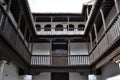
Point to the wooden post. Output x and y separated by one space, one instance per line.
69 47
2 64
50 52
116 5
87 11
91 40
68 24
19 20
9 5
95 33
103 19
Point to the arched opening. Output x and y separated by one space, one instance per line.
59 27
47 27
70 27
81 27
38 27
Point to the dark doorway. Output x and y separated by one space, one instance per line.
59 76
59 53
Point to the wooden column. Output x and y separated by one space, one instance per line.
91 40
19 20
2 64
116 5
103 19
50 52
67 24
25 34
87 11
69 47
9 5
95 33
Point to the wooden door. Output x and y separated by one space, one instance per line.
59 76
59 55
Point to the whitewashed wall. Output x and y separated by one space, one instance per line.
77 76
78 49
42 76
10 72
41 49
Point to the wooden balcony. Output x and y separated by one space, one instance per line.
108 42
76 31
70 60
13 45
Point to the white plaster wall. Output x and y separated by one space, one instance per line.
42 76
110 70
10 72
78 49
77 76
41 49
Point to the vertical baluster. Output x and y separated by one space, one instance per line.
74 61
32 61
116 26
68 60
81 60
40 60
45 60
78 60
115 32
119 25
36 60
84 58
71 60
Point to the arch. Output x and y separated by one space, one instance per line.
81 27
38 27
71 27
59 27
47 27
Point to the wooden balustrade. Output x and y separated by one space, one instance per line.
9 32
64 32
70 60
41 60
78 60
109 38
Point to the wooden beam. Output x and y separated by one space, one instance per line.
108 58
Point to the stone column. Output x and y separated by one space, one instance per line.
2 64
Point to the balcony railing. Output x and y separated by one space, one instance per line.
108 39
9 32
53 31
70 60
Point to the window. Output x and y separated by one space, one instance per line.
59 27
38 27
70 27
81 27
47 27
